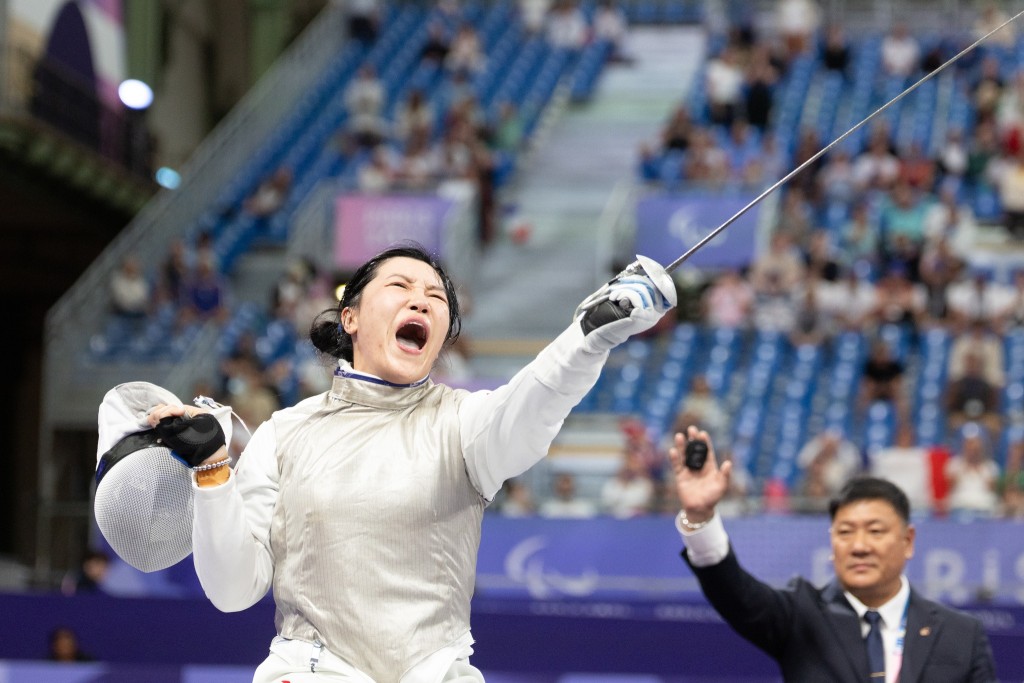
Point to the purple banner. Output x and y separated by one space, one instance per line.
667 226
364 225
609 559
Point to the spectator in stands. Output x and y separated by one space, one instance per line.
798 22
973 476
977 297
270 195
835 52
876 168
466 54
882 378
953 221
418 167
64 646
508 129
565 503
742 151
610 24
778 268
819 257
983 167
901 53
91 575
858 238
776 307
836 179
991 17
723 83
1013 316
516 501
131 295
1011 484
1011 194
759 88
901 219
808 144
835 457
173 273
630 493
567 26
952 158
205 294
906 464
938 270
848 304
532 14
705 163
363 18
979 339
678 130
972 398
437 46
365 99
898 301
796 215
729 301
916 169
702 409
988 89
378 173
810 327
415 117
812 491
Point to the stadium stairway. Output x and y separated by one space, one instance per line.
530 281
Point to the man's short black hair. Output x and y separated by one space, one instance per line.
871 488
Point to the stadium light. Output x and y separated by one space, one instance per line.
135 94
168 177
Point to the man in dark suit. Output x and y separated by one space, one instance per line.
866 625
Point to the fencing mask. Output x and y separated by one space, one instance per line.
143 501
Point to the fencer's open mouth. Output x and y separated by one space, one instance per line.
412 335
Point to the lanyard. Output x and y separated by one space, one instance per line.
901 636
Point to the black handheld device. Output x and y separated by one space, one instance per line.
696 454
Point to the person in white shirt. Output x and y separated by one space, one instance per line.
362 507
866 624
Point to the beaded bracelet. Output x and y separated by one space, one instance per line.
212 465
684 525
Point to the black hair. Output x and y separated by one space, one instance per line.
871 488
327 333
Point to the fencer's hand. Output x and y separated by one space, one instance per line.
699 490
629 304
193 434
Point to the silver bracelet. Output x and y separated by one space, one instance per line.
212 465
684 525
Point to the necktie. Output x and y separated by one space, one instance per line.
876 653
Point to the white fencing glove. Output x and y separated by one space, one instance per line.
631 302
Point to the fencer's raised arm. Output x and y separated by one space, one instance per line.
506 431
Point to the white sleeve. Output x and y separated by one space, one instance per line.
708 545
231 528
505 431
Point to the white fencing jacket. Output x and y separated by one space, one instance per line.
362 508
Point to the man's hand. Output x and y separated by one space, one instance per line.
699 490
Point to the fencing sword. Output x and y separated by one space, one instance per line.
658 275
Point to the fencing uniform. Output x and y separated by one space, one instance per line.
362 508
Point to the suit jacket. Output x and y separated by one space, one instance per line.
814 633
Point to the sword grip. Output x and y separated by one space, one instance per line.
604 313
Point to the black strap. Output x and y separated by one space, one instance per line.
125 447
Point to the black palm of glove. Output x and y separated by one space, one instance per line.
193 439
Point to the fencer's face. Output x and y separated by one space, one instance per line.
400 322
870 546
